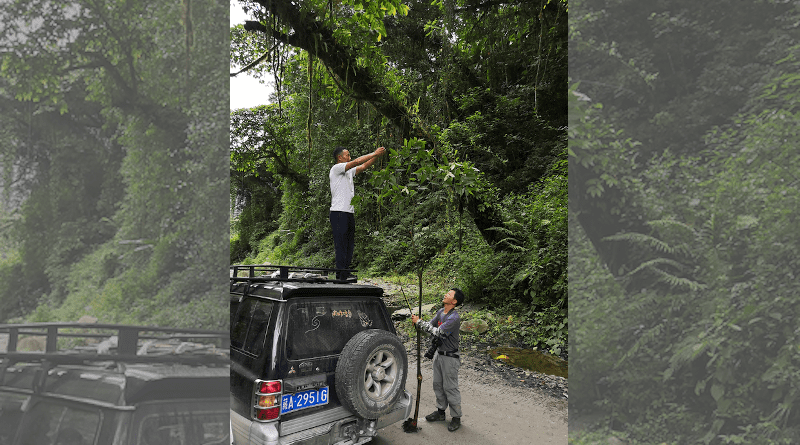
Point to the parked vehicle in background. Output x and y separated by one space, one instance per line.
98 384
313 360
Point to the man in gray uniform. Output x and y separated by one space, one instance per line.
343 223
445 326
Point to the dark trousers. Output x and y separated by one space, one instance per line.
343 225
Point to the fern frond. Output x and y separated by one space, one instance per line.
688 351
677 282
513 244
642 239
663 223
502 230
651 265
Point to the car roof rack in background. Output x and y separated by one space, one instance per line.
264 273
95 342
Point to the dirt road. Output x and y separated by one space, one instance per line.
493 412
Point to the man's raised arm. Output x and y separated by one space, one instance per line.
363 162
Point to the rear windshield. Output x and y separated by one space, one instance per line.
320 328
249 324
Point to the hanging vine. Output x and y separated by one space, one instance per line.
310 106
189 42
278 66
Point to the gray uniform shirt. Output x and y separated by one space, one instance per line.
446 327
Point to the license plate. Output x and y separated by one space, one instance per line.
305 399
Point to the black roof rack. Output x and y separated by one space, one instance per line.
264 273
120 343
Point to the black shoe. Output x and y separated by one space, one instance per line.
435 416
348 277
455 423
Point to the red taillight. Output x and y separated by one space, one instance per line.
269 387
267 400
268 414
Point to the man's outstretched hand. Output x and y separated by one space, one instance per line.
367 160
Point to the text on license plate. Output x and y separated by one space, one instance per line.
305 399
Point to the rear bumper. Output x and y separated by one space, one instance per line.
313 430
401 411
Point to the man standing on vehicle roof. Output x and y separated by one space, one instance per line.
342 217
445 326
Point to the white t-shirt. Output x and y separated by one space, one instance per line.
342 190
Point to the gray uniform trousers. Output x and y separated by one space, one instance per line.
445 383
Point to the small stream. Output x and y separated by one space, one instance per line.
531 360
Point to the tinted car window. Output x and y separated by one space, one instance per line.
53 423
318 328
96 386
234 308
249 328
199 423
10 415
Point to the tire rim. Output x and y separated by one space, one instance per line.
381 374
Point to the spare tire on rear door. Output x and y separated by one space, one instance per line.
371 373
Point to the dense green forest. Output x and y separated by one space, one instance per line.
684 188
470 100
114 161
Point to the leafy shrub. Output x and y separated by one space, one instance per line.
238 248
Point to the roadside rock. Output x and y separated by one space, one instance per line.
474 327
32 344
87 319
402 314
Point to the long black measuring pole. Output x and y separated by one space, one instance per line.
410 425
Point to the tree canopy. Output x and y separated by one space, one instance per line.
114 161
